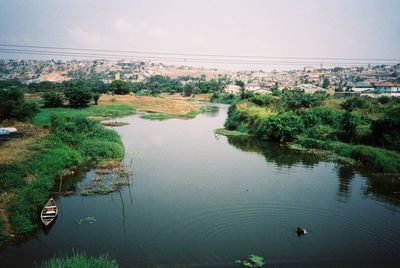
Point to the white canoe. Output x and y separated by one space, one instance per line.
49 212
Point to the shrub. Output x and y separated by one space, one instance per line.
78 96
52 99
14 106
282 127
386 130
262 100
354 103
120 87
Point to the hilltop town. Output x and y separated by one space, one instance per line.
357 80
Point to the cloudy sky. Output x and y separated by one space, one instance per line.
294 28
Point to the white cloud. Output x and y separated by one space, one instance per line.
86 38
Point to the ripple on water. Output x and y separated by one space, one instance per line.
213 224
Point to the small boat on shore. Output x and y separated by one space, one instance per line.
49 212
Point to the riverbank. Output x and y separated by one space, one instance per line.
62 139
355 131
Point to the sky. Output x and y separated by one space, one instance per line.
289 28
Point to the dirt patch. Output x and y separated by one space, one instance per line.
153 104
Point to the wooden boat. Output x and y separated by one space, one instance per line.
49 212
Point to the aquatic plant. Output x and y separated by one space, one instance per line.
252 261
78 259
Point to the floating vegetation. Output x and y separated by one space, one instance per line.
230 133
114 124
157 116
97 118
252 261
110 177
101 190
89 220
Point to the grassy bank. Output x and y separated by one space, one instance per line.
361 129
78 260
101 111
71 140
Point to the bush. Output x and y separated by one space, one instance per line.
386 130
294 99
120 87
52 99
78 96
354 103
282 127
14 106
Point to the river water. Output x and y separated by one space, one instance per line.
203 200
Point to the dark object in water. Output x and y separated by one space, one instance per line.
301 231
49 212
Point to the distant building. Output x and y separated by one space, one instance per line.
362 86
387 87
117 76
308 88
232 89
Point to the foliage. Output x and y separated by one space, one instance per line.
294 99
78 96
77 260
325 82
230 133
72 141
281 127
224 98
112 110
14 106
52 99
386 130
120 87
354 103
378 158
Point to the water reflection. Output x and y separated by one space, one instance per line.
385 188
345 175
274 152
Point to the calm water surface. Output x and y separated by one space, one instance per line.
201 200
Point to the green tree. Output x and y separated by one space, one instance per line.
120 87
14 106
78 96
53 99
325 82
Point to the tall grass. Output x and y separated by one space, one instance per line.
79 260
72 141
112 110
378 158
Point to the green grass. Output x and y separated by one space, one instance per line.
112 110
79 260
379 159
230 133
72 142
157 116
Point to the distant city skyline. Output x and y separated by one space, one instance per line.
318 29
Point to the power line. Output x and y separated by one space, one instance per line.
201 55
193 60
